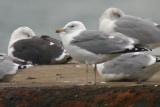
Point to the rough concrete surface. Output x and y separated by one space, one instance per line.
63 86
64 75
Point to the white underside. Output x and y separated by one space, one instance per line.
115 77
111 76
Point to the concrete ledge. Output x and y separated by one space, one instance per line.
62 86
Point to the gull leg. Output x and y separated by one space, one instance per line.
95 70
86 82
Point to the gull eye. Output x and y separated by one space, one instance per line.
72 26
117 15
28 35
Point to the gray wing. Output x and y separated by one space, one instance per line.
127 64
99 43
140 29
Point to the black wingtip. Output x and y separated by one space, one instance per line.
137 48
69 59
157 59
22 67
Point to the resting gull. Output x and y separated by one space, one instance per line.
9 67
39 50
93 47
130 66
146 32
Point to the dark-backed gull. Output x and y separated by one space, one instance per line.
39 50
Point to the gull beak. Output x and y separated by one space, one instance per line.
60 30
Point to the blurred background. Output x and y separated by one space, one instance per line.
45 16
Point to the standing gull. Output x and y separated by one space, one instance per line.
130 66
39 50
146 32
93 47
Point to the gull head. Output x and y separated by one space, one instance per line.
72 27
111 14
21 33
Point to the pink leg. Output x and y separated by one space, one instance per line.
95 70
86 82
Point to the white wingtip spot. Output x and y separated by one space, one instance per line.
51 43
130 47
136 49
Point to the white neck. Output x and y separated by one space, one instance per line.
14 39
107 26
68 37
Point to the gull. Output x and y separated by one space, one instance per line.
93 47
9 67
41 50
136 66
146 32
